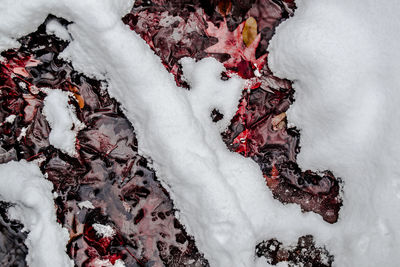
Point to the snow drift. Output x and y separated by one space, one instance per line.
344 60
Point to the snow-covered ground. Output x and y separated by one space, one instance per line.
342 56
344 59
23 184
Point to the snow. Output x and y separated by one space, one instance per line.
62 120
23 184
10 119
107 263
103 230
85 204
209 92
222 197
22 134
54 27
344 59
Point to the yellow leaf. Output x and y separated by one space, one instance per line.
249 31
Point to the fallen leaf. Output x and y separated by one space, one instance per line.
224 7
80 100
232 43
249 31
77 96
278 121
21 71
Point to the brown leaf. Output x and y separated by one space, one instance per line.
78 97
224 7
80 100
278 121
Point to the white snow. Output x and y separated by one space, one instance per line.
23 184
103 230
54 27
208 91
22 134
85 204
222 197
344 80
344 58
107 263
10 119
62 120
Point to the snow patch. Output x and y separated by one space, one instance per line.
22 134
62 120
10 119
107 263
86 204
23 184
344 59
103 230
209 92
54 27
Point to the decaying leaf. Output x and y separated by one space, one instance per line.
77 96
278 121
249 31
224 7
80 100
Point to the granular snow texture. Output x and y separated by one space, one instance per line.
107 171
223 200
